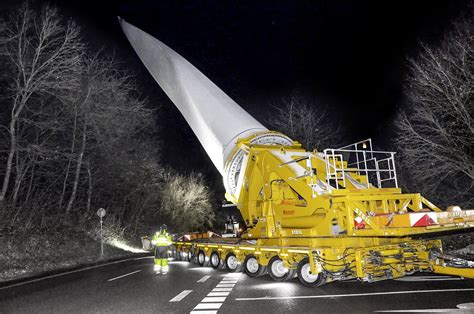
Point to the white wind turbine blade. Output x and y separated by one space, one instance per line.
214 117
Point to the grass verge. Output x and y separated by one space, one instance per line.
29 253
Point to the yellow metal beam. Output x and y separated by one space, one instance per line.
454 271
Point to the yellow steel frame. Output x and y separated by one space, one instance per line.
286 218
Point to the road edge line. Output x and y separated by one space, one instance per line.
24 281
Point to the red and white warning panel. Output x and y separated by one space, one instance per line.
424 219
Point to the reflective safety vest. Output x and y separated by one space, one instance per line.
161 239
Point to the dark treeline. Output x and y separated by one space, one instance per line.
435 127
76 134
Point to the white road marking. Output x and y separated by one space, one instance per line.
218 294
144 257
208 306
466 306
181 296
221 289
213 299
133 272
203 312
203 279
233 275
461 308
217 297
353 294
70 272
424 311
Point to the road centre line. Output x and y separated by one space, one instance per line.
204 312
203 279
353 294
69 272
181 296
133 272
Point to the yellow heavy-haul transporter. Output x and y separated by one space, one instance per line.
326 216
331 216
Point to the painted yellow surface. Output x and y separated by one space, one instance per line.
346 232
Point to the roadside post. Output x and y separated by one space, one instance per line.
101 214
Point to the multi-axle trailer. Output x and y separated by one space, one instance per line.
330 215
315 267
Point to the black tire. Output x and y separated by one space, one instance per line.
232 263
189 256
305 276
252 268
215 260
275 271
201 258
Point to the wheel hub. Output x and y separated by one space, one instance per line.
307 275
279 269
252 265
232 262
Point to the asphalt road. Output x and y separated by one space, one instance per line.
131 287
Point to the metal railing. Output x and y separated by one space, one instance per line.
371 168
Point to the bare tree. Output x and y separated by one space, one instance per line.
186 202
297 117
108 110
436 129
44 54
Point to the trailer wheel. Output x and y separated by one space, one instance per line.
190 256
183 255
215 260
232 263
201 258
177 255
252 267
306 277
278 271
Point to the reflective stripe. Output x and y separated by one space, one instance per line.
161 240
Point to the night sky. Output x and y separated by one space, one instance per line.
347 55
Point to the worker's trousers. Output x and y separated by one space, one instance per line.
161 259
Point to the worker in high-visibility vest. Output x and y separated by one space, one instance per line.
161 240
